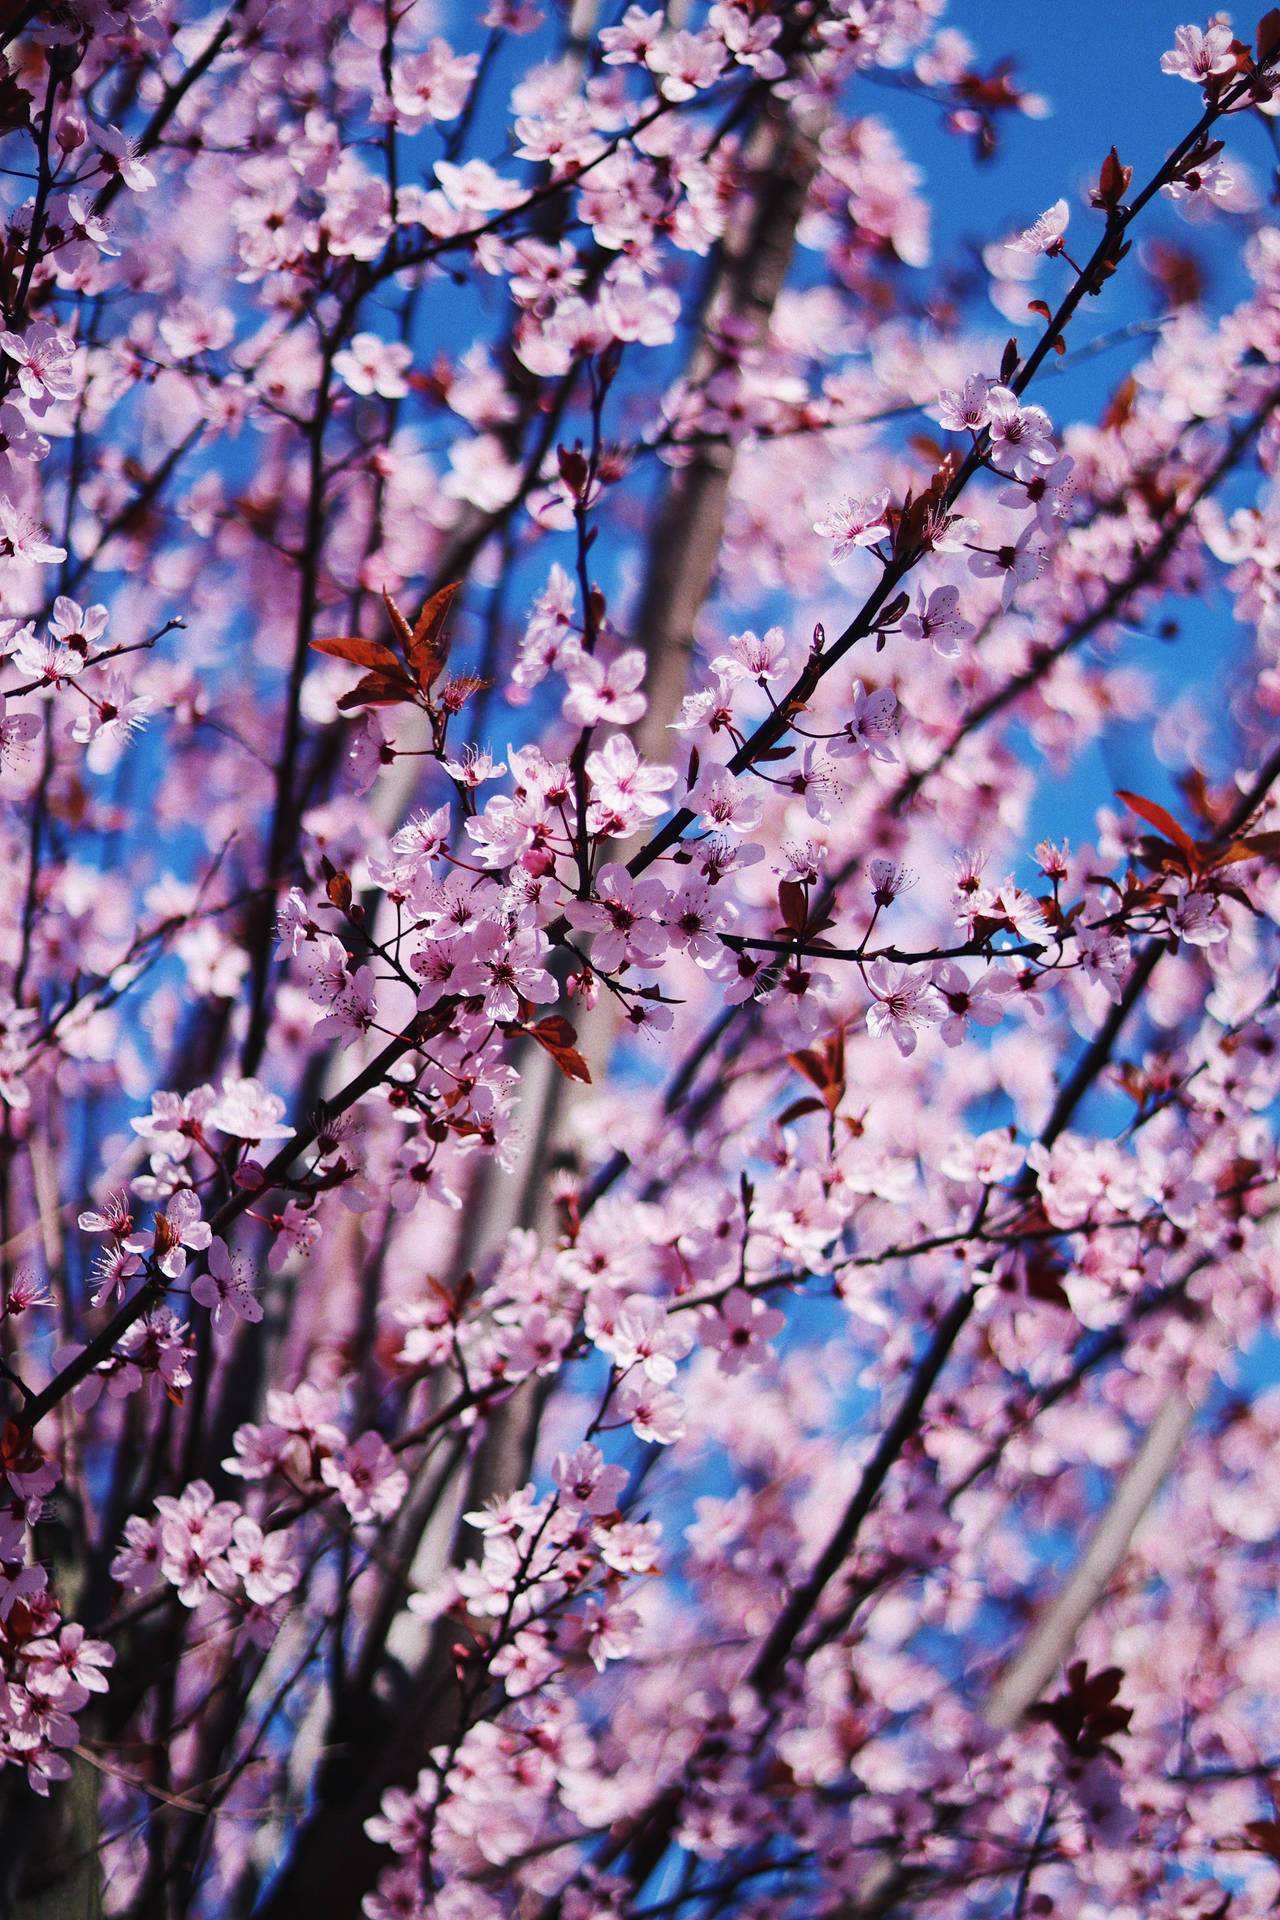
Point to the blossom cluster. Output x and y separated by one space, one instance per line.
584 1206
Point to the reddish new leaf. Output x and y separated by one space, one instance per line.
1268 40
556 1035
807 1103
425 649
1263 1836
400 626
792 905
1160 818
361 653
379 690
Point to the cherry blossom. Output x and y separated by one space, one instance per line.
1013 564
1197 54
938 620
248 1111
1044 235
871 726
370 365
226 1287
366 1478
741 1329
903 1003
678 1376
855 523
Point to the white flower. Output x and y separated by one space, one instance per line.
1045 234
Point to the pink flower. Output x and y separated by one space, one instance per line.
632 41
25 1290
625 790
644 1335
586 1482
740 1330
654 1413
226 1287
1021 437
366 1479
115 1216
622 918
370 365
420 1178
74 1656
855 523
815 781
118 158
938 620
175 1232
871 726
511 969
17 732
726 804
137 1565
111 723
112 1269
22 538
903 1003
966 411
607 1631
432 85
1103 956
246 1110
1014 564
687 62
77 627
758 659
692 920
599 693
262 1561
1196 917
965 1001
195 1531
1198 53
46 363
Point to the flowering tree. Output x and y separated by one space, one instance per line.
602 1257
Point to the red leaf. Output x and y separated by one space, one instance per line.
1268 41
556 1034
361 653
400 626
793 905
1041 307
1161 819
1264 1837
553 1030
379 690
808 1103
426 649
811 1065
